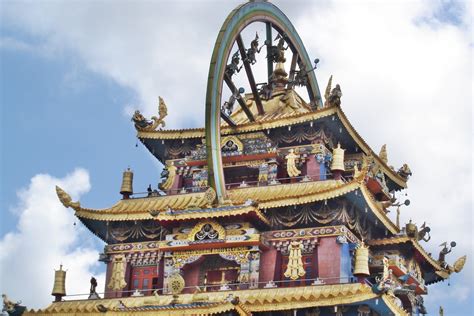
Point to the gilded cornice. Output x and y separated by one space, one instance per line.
200 214
174 207
289 119
405 239
378 211
277 192
256 300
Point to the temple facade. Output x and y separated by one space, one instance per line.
277 207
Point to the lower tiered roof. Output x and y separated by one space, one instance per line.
244 302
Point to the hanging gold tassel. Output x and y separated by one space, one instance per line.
117 280
295 268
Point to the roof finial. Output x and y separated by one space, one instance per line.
327 93
383 153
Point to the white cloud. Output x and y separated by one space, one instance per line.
44 238
405 69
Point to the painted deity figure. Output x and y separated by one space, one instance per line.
263 172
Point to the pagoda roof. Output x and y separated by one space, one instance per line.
433 263
281 119
249 301
247 200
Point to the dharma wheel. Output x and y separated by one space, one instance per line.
229 51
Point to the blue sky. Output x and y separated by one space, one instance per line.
70 77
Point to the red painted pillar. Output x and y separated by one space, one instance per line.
329 260
268 261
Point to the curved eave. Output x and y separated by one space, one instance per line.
193 215
368 151
256 300
264 198
378 211
415 244
244 128
281 122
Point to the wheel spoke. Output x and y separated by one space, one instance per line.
227 118
240 99
294 59
269 44
250 77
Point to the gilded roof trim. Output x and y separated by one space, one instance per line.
247 127
394 308
405 239
267 197
202 214
256 300
312 197
262 194
378 211
367 150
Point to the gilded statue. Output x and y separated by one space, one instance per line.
12 308
333 97
170 175
424 233
66 199
444 251
404 172
383 153
8 305
291 164
142 124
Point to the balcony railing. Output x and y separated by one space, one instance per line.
223 287
233 185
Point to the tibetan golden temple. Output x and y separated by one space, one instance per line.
277 207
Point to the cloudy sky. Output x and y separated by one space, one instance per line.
72 72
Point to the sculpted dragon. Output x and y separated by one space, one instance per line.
142 124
